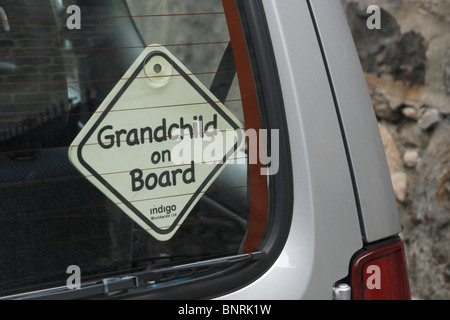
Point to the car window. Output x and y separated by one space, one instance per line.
63 81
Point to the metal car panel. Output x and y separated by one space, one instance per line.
325 231
369 167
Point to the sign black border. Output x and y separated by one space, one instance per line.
110 107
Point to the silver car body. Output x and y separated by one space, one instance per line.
335 144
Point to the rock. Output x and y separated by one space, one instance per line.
382 107
411 136
400 185
396 94
447 77
395 163
407 69
403 55
412 45
390 147
411 113
428 230
383 111
428 117
410 158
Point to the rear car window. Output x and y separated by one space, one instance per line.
92 96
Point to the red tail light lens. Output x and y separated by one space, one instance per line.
381 274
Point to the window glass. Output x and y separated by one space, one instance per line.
57 67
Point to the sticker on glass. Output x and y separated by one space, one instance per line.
141 147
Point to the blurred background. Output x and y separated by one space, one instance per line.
407 69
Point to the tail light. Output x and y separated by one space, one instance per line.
381 274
